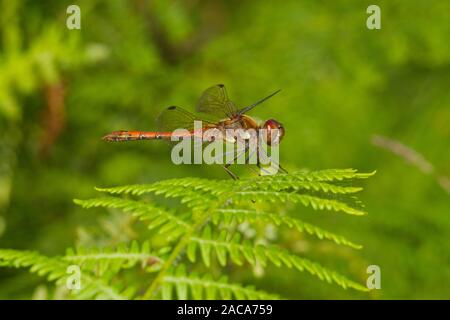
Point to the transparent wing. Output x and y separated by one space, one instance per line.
175 117
214 101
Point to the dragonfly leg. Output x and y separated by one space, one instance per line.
282 169
247 160
233 175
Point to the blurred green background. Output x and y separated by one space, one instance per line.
61 90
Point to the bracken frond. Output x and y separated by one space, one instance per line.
194 286
113 259
294 183
240 251
314 202
227 216
166 221
55 269
332 175
205 223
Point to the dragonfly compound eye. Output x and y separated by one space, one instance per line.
275 131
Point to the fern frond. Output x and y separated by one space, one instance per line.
315 202
223 203
332 175
55 269
193 191
190 190
174 187
112 259
205 287
244 251
166 221
227 216
43 266
293 183
170 187
97 289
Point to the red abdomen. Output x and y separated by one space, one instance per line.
123 135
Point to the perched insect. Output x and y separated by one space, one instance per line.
214 102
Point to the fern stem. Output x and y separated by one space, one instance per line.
176 251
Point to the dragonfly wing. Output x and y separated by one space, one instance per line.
174 117
214 101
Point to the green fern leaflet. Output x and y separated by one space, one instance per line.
211 226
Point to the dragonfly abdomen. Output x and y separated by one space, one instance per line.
123 135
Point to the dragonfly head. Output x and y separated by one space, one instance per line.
275 131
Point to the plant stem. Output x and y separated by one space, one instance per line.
176 251
202 219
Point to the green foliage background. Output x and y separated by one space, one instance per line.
61 90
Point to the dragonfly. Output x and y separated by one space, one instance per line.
215 111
